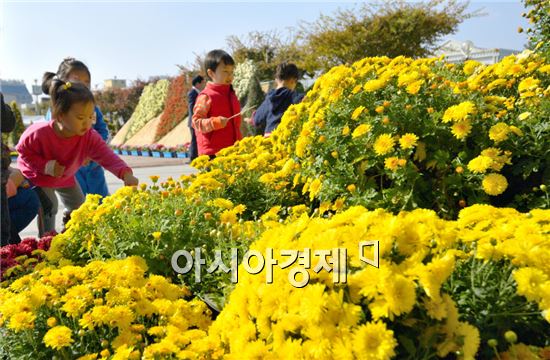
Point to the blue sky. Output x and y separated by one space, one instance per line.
134 39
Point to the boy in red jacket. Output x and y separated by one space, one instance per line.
214 122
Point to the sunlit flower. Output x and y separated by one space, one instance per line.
58 337
384 144
494 184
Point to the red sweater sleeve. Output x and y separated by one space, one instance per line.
201 122
30 153
101 153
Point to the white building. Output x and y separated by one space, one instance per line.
457 52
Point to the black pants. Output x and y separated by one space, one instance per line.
193 149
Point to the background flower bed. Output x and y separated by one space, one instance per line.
175 108
150 105
401 134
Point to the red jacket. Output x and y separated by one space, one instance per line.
223 102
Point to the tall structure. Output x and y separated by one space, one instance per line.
457 52
114 83
15 90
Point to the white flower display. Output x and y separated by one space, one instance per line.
244 72
151 104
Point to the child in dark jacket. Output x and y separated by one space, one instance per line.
271 111
216 115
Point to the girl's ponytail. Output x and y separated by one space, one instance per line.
46 82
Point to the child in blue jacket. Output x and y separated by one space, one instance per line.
271 110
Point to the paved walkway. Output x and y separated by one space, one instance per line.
148 161
143 168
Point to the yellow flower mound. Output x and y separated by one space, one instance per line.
115 299
432 114
326 319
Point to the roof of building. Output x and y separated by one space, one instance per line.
15 90
459 51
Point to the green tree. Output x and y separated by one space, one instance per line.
19 125
266 49
120 101
387 29
254 98
539 31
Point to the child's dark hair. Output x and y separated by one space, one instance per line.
197 80
64 94
215 58
287 71
67 66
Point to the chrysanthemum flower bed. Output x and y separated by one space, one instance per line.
402 134
175 108
150 105
101 309
369 147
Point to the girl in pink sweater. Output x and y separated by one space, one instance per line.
51 153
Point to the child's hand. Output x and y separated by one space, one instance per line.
249 121
58 169
130 179
224 120
16 176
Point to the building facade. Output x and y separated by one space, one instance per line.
114 84
456 52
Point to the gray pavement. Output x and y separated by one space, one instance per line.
143 167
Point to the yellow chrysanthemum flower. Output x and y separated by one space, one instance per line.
374 341
373 85
499 132
398 297
480 164
58 337
414 87
391 163
529 281
470 338
494 184
459 112
407 78
222 203
408 141
357 112
461 129
384 144
314 188
524 115
528 84
22 321
470 66
361 130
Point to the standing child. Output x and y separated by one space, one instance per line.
91 177
50 153
216 115
198 83
269 114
